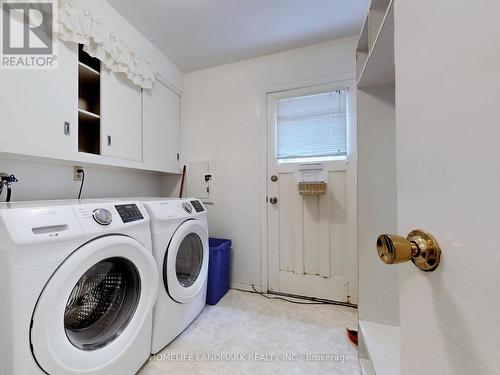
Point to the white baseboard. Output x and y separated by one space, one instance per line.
245 287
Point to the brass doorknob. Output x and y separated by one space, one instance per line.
419 247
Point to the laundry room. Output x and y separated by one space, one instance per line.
248 187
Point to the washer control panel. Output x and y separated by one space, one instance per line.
198 207
102 216
129 212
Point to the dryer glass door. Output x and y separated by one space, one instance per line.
185 266
189 260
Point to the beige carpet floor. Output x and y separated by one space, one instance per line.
246 333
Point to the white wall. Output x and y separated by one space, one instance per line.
47 180
377 200
222 122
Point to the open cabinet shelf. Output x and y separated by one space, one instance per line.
362 51
366 367
377 195
382 343
375 53
88 131
376 16
85 59
86 114
89 103
88 70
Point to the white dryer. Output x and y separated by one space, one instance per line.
180 246
77 287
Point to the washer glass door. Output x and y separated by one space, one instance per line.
185 266
102 303
93 308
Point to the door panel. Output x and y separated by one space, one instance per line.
309 252
312 225
312 239
447 117
35 104
121 117
161 108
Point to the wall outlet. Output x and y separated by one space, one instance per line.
77 176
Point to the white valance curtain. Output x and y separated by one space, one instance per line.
79 26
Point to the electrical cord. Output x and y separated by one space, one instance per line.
83 180
314 300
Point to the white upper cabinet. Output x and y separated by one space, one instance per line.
121 120
85 114
161 121
35 104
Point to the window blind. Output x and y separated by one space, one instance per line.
312 126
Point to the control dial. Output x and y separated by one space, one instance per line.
102 216
187 207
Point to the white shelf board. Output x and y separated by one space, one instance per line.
379 67
366 367
88 114
383 345
17 150
89 69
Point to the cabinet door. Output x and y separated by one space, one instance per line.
121 126
161 116
34 104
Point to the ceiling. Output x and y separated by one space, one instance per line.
197 34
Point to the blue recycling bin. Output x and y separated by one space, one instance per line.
218 269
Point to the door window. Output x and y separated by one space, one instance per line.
312 127
102 303
189 260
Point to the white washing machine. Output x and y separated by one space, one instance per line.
77 287
180 246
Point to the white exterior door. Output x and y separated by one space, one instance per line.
448 180
311 238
